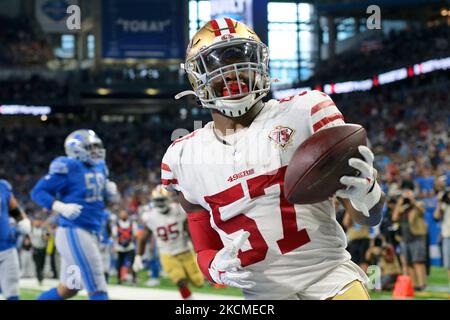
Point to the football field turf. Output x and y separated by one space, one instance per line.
438 288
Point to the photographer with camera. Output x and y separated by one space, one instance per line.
443 212
410 214
383 254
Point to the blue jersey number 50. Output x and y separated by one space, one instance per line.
95 183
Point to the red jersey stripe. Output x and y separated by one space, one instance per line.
321 105
324 121
165 167
166 182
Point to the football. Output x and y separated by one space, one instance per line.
320 161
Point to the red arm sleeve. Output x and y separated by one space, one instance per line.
205 239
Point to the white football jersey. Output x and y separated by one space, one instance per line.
168 229
240 182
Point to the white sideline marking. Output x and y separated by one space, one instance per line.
116 292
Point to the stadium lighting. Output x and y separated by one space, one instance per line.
151 91
378 79
103 91
14 109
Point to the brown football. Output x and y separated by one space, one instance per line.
320 161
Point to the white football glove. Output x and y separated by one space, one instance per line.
24 226
138 265
69 210
226 267
111 188
112 191
363 192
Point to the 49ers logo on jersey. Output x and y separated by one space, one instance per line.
281 136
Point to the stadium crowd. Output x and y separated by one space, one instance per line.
395 50
21 43
407 128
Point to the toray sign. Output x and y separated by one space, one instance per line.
240 10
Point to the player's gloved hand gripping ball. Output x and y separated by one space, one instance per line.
332 161
226 267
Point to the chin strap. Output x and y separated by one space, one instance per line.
184 93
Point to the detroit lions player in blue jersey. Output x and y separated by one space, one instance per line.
9 259
77 187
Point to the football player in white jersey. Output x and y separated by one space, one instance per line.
230 178
167 221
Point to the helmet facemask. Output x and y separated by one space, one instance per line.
96 151
230 76
162 204
85 146
161 199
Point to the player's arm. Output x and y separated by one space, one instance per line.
363 198
138 264
218 264
23 223
111 193
44 192
375 214
347 221
205 239
142 241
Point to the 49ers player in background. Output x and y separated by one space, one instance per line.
230 177
166 221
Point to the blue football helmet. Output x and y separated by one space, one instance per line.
86 146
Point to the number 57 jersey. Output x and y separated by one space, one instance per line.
239 179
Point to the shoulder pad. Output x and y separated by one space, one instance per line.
146 216
59 166
6 185
168 168
318 107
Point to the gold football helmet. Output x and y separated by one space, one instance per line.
227 66
161 198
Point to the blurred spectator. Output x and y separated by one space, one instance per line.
383 255
443 212
21 43
124 233
33 90
39 237
410 214
389 230
106 243
51 250
395 50
26 258
358 237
